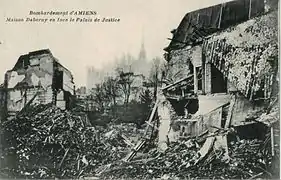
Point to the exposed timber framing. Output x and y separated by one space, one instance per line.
177 82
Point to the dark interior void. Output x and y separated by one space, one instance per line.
225 110
69 101
23 62
58 80
199 77
251 131
66 97
190 67
218 82
192 106
58 86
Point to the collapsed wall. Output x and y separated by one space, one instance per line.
247 55
40 78
244 57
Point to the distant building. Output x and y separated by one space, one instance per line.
137 87
38 77
141 65
81 93
94 76
142 54
126 63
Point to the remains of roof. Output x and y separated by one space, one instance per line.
196 25
24 59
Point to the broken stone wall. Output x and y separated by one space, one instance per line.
209 114
207 103
17 98
178 65
198 125
174 126
167 115
196 55
183 62
211 120
242 107
24 82
247 54
180 59
38 73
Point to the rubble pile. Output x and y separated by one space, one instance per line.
46 142
180 160
173 160
114 131
249 158
246 161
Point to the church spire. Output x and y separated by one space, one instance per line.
142 55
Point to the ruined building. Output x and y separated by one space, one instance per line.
38 78
222 66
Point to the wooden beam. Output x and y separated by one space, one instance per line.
178 97
244 123
151 125
64 156
250 9
151 116
272 140
230 111
187 120
177 82
220 17
185 43
27 104
134 150
127 140
195 80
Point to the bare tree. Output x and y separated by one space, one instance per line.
125 81
155 75
112 89
100 97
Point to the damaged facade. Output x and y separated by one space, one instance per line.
222 65
38 78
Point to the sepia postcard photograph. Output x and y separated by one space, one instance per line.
139 89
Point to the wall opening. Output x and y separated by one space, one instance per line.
192 106
185 106
250 131
190 67
58 80
68 99
199 77
218 81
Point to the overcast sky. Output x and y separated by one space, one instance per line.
91 44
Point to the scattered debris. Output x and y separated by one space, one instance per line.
184 160
46 142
